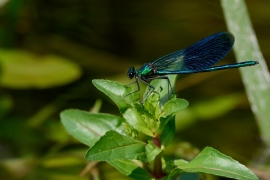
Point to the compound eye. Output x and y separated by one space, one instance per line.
131 72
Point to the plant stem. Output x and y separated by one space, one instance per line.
157 162
256 79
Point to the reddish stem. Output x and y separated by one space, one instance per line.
158 173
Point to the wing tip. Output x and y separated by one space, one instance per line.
228 35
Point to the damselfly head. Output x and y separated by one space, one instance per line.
131 72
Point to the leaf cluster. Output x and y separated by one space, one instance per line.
116 140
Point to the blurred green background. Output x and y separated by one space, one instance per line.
51 50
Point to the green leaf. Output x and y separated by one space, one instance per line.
137 121
152 151
170 108
152 105
114 146
168 132
89 127
211 161
117 92
23 69
175 105
181 162
129 168
130 131
162 84
136 116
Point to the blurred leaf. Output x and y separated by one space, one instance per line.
129 168
181 149
96 107
43 114
3 2
6 103
11 128
88 127
22 69
55 131
16 168
62 161
207 110
114 146
60 165
211 161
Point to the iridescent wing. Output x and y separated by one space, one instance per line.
197 57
